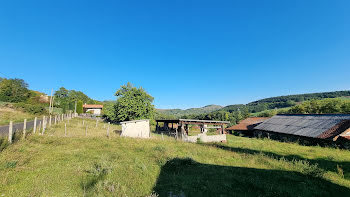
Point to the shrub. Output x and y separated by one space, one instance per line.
29 108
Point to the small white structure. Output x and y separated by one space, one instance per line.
94 109
136 128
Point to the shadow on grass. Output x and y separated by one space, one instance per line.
325 164
185 177
96 174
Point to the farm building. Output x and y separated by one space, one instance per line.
180 129
182 125
92 108
136 128
327 127
246 126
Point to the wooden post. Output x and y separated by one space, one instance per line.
24 128
65 129
222 129
83 122
39 127
10 132
75 107
108 129
34 128
44 125
50 108
50 121
86 131
162 136
55 119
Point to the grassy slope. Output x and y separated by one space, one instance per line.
53 165
7 114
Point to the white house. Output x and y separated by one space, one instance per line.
136 128
94 109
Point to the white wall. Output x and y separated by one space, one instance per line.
96 111
136 128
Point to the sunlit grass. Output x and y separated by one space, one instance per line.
9 114
94 165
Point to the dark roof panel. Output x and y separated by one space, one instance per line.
308 125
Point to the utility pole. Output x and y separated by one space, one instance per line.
50 110
75 108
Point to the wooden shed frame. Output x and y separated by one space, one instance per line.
182 125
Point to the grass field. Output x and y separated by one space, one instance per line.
94 165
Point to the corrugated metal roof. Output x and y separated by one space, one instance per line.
247 124
309 125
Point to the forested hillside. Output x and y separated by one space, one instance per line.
191 111
284 101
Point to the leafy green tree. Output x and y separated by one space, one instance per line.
108 112
238 116
74 95
133 103
61 98
13 90
79 107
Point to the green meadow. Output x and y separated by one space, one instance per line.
86 162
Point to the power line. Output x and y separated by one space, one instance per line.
4 75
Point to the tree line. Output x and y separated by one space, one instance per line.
284 101
16 92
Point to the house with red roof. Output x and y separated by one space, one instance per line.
93 108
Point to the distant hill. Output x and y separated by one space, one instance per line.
284 101
181 112
259 105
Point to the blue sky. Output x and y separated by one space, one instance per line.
184 53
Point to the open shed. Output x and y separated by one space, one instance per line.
136 128
181 126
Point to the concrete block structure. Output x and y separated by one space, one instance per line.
136 129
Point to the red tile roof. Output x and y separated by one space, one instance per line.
92 106
248 124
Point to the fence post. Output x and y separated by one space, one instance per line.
86 131
65 129
50 121
10 132
108 129
83 122
55 119
39 127
44 124
24 128
34 128
176 134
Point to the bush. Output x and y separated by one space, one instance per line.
29 108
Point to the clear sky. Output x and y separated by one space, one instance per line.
184 53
